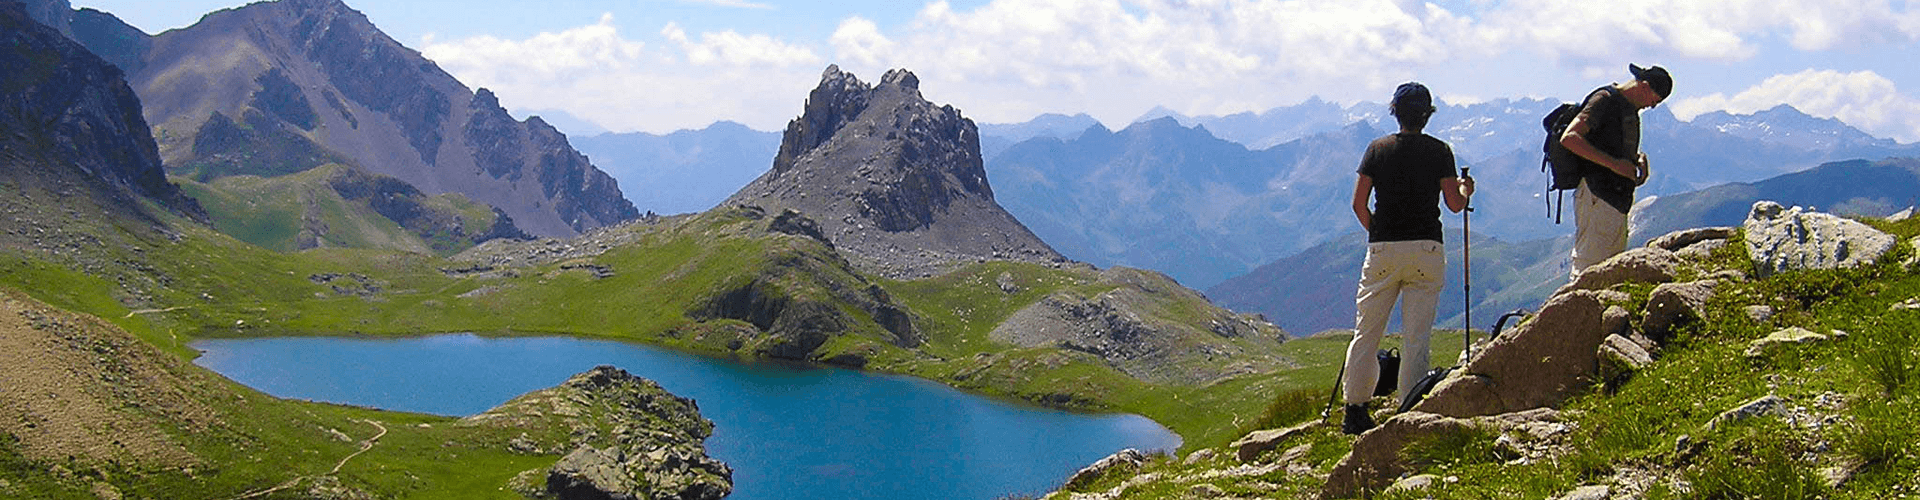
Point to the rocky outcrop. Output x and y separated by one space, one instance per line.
895 182
623 437
73 112
1126 328
1124 461
313 81
1781 239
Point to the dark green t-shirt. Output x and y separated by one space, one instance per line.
1406 170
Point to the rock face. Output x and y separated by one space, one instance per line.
895 182
1781 239
653 448
74 113
282 86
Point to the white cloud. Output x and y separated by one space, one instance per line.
738 4
1862 99
1585 33
596 73
731 48
1009 60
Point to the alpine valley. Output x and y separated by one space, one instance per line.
286 169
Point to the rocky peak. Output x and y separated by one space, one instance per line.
894 180
838 99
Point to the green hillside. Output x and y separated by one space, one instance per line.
336 206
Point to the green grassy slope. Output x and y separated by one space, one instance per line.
1848 432
334 206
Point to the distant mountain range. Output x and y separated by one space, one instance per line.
1208 198
1313 290
279 87
685 171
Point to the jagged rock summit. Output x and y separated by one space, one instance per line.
287 85
895 182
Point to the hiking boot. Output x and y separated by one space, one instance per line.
1357 420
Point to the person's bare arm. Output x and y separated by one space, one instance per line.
1575 140
1362 189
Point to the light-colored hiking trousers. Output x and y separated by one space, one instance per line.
1412 272
1600 231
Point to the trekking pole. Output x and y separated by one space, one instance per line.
1328 413
1466 256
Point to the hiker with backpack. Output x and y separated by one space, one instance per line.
1601 143
1406 173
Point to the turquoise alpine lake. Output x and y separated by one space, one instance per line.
789 432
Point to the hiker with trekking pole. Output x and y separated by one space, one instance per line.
1406 174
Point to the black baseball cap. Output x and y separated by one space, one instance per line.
1412 96
1656 76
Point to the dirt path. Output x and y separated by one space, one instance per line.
364 446
151 311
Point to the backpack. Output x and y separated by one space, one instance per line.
1389 380
1562 166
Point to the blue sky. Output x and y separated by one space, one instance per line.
662 65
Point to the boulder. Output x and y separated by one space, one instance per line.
1672 304
1128 459
1419 482
1645 265
1619 359
1781 239
1201 455
1589 492
1257 442
1377 457
1759 313
591 474
1680 240
1541 363
1765 405
1787 336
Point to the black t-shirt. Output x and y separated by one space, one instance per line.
1606 112
1406 171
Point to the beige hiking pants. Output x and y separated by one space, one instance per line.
1412 272
1600 231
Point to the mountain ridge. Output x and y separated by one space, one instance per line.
319 72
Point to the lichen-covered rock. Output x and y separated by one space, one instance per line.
1781 239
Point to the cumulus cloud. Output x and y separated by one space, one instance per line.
738 4
1008 60
1197 56
595 72
1584 33
1863 99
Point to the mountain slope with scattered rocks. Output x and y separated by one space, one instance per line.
1769 360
